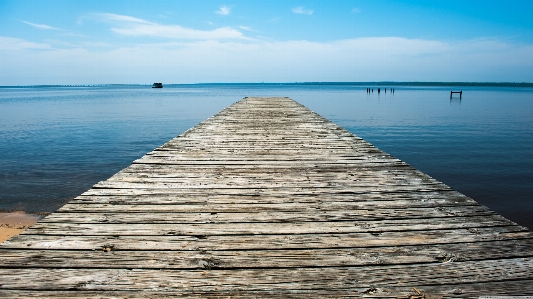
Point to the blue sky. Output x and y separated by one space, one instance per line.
99 42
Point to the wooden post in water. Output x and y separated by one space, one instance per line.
459 92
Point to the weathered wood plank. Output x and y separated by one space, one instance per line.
128 198
296 258
236 183
195 229
469 290
248 216
266 242
279 192
296 175
405 276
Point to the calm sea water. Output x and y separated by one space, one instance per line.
55 142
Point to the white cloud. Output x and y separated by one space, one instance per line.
17 44
178 32
122 18
356 10
360 59
247 28
131 26
71 34
302 10
41 26
223 10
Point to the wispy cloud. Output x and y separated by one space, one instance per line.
71 34
356 10
359 59
223 10
247 28
17 44
121 18
131 26
302 10
41 26
165 15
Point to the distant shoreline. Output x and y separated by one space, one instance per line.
372 83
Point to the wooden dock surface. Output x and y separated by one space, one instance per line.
269 199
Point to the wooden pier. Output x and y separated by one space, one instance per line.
269 199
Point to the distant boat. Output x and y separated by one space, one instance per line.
157 85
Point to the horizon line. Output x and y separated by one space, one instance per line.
405 83
412 83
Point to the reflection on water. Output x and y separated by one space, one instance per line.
57 142
455 101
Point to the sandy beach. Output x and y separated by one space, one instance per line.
14 223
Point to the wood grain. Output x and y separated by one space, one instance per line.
269 199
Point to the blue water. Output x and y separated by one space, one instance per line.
56 142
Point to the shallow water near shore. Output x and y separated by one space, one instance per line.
56 142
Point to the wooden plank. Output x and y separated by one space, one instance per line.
406 277
469 290
236 183
299 206
128 198
297 175
203 229
236 191
285 241
247 215
260 259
